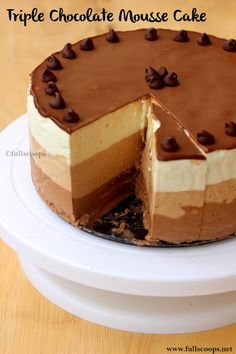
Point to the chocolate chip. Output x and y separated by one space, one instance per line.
68 52
48 76
86 44
205 138
230 45
204 40
170 144
181 36
150 73
151 34
156 83
230 128
112 36
53 63
171 80
51 88
70 116
162 71
57 101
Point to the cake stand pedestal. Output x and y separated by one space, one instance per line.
140 289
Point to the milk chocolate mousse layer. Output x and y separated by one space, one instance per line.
81 210
157 104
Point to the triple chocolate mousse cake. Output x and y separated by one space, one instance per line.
148 110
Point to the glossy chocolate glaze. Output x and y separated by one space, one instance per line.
170 128
113 74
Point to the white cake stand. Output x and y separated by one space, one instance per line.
149 290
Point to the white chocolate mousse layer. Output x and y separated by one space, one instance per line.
93 155
91 139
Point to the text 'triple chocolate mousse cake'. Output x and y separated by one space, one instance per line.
150 110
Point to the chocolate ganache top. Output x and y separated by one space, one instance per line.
191 75
172 142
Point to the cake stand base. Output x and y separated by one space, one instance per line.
140 289
163 315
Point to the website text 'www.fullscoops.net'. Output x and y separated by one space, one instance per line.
197 349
